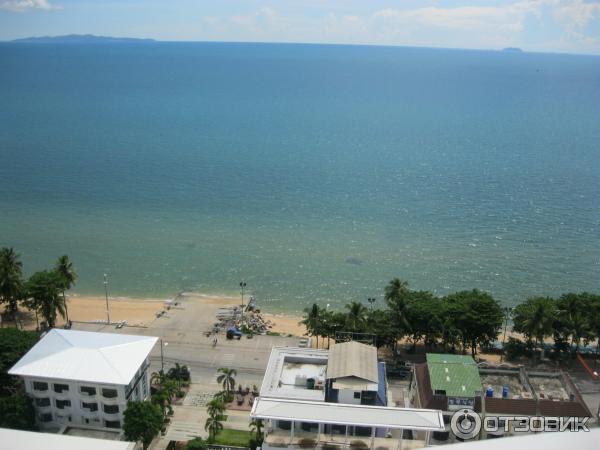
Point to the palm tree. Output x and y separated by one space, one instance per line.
43 291
574 312
64 267
11 283
215 407
256 427
227 379
157 378
535 318
213 425
356 317
313 321
396 296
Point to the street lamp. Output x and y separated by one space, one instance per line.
162 361
507 312
106 292
242 286
371 300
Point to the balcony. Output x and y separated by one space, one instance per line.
325 441
87 392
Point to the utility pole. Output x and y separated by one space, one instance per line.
106 292
162 361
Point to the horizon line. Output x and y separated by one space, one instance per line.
340 44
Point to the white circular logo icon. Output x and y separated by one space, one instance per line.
465 424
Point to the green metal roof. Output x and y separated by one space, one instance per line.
457 375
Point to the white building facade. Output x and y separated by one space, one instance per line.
79 378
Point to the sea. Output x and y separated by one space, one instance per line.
313 173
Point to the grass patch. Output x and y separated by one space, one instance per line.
273 333
236 438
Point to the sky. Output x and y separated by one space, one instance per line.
571 26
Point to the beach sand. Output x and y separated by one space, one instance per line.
143 311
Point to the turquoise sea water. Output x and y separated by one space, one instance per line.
314 173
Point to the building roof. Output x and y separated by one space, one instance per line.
20 440
288 370
85 356
537 441
456 375
449 359
353 359
343 414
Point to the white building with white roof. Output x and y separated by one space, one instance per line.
80 378
30 440
336 398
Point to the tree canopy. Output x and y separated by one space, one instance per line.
142 422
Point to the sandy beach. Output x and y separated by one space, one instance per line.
143 311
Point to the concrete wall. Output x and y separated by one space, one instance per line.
347 396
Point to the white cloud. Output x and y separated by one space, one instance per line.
510 16
576 14
476 24
25 5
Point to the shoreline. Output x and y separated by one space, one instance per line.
142 311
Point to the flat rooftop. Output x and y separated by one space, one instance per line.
29 440
289 371
344 414
497 380
548 387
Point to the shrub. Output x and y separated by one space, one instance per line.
307 443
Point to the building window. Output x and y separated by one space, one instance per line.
109 393
60 388
40 386
112 423
357 395
88 390
62 404
42 402
90 406
47 417
111 409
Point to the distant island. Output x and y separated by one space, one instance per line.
80 39
512 49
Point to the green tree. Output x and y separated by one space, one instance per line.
227 379
313 321
14 344
396 296
379 324
17 412
213 424
64 267
142 422
256 427
574 317
356 317
535 319
215 407
11 282
163 397
422 312
477 316
43 290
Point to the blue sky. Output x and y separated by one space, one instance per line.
538 25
